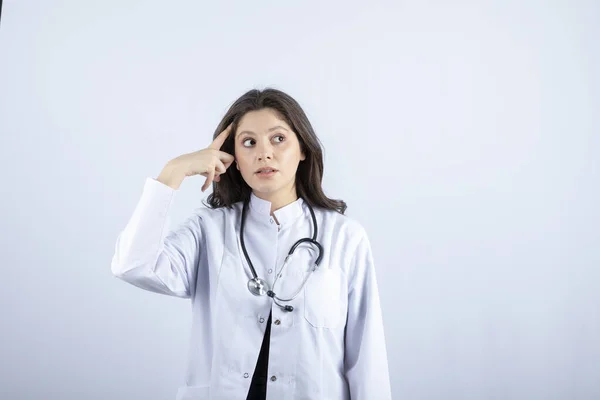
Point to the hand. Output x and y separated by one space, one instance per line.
210 162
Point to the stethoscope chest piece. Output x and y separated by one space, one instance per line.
257 287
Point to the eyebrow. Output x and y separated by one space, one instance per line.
270 130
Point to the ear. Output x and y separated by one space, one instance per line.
302 156
236 165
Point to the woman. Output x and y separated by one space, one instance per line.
263 327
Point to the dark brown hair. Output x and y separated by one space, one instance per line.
232 187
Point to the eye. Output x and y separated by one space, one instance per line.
279 136
246 143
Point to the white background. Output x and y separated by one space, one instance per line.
463 135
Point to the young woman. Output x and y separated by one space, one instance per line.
266 324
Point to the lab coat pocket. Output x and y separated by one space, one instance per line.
326 298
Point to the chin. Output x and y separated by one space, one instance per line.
265 189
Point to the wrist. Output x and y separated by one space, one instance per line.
171 176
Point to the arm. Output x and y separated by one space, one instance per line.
366 365
149 256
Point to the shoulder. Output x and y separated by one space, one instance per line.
344 227
206 215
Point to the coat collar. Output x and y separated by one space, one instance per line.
261 209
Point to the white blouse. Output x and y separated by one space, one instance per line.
331 346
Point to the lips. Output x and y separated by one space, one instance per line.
265 170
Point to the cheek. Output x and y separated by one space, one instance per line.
243 166
291 155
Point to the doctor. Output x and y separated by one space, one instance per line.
266 324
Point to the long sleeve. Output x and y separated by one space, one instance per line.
366 364
150 256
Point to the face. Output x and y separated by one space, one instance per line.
264 141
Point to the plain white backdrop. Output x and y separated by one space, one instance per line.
463 135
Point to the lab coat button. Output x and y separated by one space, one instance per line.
261 320
273 378
246 375
271 220
270 271
277 322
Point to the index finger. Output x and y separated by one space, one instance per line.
219 140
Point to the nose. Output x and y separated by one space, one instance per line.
265 153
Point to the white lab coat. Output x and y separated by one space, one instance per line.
331 346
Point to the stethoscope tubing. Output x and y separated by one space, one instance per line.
312 240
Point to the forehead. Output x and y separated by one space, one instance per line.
261 121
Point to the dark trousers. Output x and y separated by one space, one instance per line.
258 387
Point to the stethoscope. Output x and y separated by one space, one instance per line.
258 286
